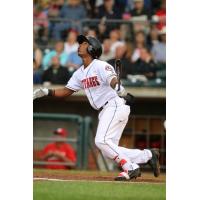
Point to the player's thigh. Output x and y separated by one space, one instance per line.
112 122
116 137
106 118
122 119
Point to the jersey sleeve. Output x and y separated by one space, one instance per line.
74 83
107 73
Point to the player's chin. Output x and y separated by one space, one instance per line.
79 53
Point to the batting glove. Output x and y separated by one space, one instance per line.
121 91
40 93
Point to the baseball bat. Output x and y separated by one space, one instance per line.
118 68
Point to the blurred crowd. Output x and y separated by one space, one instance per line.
131 30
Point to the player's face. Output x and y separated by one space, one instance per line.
82 49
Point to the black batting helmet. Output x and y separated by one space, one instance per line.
94 48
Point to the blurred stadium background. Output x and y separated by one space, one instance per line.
135 32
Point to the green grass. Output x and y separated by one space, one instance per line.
52 190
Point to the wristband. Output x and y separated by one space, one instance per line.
51 92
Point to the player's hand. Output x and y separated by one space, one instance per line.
121 91
40 93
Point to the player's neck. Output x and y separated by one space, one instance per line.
86 61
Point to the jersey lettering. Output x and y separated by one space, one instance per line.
90 82
95 80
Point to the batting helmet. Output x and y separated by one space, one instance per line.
94 48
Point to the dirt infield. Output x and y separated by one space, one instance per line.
92 176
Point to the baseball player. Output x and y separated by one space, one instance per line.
99 81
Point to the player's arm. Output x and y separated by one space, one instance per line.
60 92
73 85
114 84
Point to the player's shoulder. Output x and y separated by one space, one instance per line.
101 63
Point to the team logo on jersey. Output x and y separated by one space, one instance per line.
90 82
108 68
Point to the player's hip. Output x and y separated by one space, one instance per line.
115 102
116 108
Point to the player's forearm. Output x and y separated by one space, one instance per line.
113 82
61 92
118 87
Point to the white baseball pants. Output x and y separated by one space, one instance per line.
112 121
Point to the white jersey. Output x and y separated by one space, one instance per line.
95 80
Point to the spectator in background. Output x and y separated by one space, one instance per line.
59 151
129 50
140 42
115 40
73 10
148 4
71 45
45 4
53 12
109 10
103 29
74 62
153 37
139 15
126 32
91 32
160 16
57 51
122 5
159 49
40 25
140 10
91 8
37 78
107 54
37 56
155 5
145 65
56 74
54 8
120 53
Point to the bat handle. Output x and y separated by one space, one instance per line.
118 85
118 68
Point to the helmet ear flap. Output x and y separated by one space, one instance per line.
91 50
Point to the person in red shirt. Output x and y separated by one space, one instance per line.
58 151
161 15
